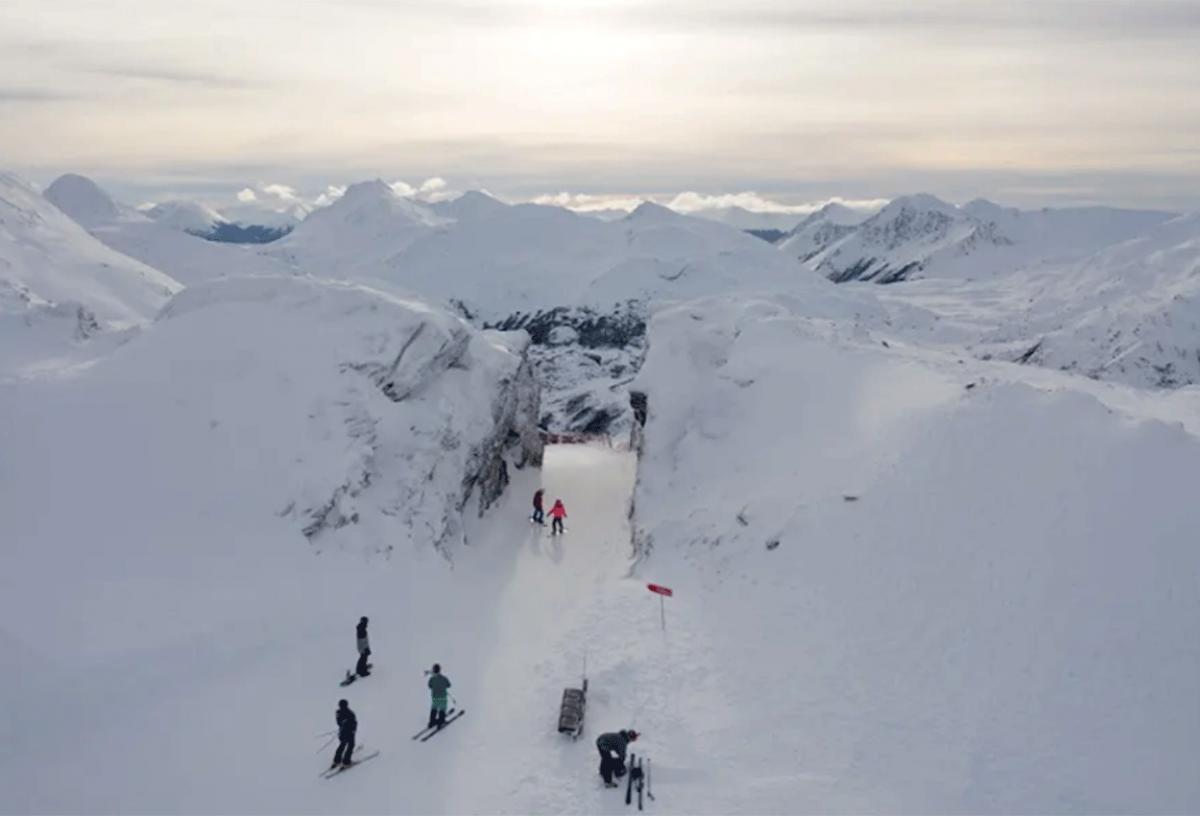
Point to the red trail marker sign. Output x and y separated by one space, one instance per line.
661 592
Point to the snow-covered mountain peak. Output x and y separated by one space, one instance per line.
835 213
365 191
471 205
189 216
984 210
915 203
358 233
82 199
648 212
823 228
375 199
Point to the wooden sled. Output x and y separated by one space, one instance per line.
570 712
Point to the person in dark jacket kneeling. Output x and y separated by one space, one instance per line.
612 748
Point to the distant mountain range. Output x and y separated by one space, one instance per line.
162 244
921 236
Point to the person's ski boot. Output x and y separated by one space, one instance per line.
611 785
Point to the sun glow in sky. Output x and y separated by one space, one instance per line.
1042 100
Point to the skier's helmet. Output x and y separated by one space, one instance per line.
633 735
343 703
437 668
363 619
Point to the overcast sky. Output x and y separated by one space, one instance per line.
1024 101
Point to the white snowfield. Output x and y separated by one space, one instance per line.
187 258
931 585
907 579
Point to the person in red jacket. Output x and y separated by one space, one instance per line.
557 514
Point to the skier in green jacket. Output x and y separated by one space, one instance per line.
439 687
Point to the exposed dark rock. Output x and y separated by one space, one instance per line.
226 233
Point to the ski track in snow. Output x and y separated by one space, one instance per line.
568 595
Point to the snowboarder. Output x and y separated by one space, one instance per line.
557 513
539 516
439 687
612 754
364 648
347 726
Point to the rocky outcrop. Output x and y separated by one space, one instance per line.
409 416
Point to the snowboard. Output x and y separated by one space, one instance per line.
437 731
352 676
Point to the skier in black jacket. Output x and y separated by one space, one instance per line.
612 754
347 726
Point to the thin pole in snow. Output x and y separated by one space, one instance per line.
661 592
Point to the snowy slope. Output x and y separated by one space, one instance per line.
1005 618
273 458
59 286
1126 314
923 236
1130 313
187 258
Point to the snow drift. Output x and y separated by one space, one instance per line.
948 590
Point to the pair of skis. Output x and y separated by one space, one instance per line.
356 760
424 735
639 779
429 732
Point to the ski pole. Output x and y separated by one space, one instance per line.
325 733
327 744
649 783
